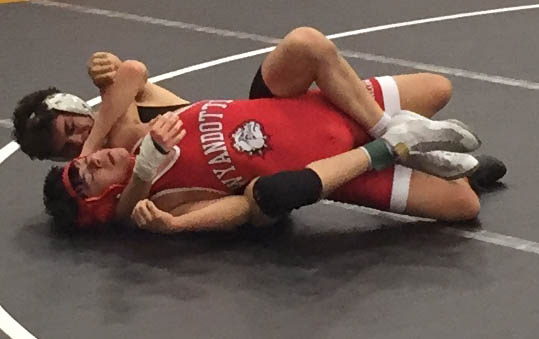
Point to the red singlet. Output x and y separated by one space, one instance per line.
230 142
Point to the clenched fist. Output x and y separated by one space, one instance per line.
148 217
102 68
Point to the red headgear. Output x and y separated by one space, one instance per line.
98 209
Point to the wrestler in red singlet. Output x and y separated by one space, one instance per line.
230 142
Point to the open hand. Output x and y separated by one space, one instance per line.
167 131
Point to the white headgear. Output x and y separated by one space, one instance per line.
69 103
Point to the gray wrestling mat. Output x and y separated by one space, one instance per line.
331 271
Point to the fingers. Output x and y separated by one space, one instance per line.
136 217
161 121
167 130
141 213
99 55
105 79
153 211
175 128
153 121
179 137
104 68
169 119
147 216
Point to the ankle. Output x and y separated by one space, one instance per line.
379 154
380 127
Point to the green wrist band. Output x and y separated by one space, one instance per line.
380 155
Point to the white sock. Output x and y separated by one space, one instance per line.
381 126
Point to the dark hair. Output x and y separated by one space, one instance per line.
35 135
58 203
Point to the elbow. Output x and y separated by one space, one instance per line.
134 72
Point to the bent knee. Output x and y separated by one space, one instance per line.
310 42
257 218
439 199
462 205
440 90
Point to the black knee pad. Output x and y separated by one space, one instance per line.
282 192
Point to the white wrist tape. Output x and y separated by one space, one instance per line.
148 160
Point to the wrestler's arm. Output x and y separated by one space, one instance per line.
229 212
129 80
220 214
102 67
135 191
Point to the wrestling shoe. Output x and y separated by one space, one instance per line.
443 164
408 132
489 171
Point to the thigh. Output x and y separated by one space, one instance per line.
423 93
437 198
385 92
384 190
402 190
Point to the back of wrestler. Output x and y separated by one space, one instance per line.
230 142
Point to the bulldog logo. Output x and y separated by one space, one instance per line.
249 138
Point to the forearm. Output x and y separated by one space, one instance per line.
222 214
129 80
135 191
339 169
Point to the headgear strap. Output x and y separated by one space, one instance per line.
69 103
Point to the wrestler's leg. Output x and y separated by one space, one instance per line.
432 197
277 194
305 56
423 93
402 190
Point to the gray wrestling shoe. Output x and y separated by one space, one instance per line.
410 132
443 164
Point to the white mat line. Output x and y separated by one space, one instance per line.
8 150
157 21
267 39
457 72
434 19
6 123
480 235
12 328
495 239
